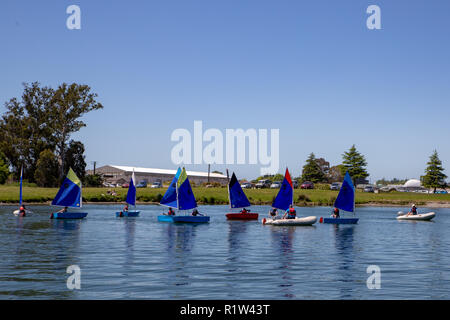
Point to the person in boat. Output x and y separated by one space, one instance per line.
245 210
413 211
171 212
196 213
63 210
290 213
125 209
273 212
22 211
335 213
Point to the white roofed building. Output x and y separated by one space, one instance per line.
122 174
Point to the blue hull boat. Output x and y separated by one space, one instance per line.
184 219
127 214
190 219
341 220
68 215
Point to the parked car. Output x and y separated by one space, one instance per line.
368 189
307 185
126 185
275 185
295 184
156 184
263 184
441 191
247 185
142 184
335 186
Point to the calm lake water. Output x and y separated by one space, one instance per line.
140 258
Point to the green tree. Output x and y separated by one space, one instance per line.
434 173
46 174
4 168
69 103
25 130
312 171
93 180
43 119
75 158
355 163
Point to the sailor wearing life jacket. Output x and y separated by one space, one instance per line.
290 213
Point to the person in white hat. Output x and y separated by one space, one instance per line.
413 210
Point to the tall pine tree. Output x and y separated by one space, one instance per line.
434 173
355 163
312 171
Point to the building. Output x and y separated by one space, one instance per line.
118 175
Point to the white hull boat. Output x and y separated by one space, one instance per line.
305 221
417 217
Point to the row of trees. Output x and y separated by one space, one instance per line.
318 170
36 129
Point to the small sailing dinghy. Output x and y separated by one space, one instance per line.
283 201
22 212
179 195
69 195
344 201
238 199
131 200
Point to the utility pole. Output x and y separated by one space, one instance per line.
209 169
94 163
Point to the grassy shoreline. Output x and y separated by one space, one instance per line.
219 196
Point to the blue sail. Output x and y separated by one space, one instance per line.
346 197
170 197
186 199
20 196
69 195
238 199
285 196
131 195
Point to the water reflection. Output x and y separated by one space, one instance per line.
130 230
236 244
343 235
282 242
179 247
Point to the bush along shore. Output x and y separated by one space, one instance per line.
219 196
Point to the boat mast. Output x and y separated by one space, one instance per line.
228 189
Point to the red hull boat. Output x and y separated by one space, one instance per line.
242 216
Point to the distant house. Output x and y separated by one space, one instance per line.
122 174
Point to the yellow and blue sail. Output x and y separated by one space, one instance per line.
285 195
346 197
186 198
238 199
131 194
69 195
170 197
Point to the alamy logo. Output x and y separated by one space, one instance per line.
374 20
374 280
74 20
235 147
74 280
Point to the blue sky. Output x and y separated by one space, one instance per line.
310 68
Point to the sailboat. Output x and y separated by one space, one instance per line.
283 201
25 212
131 200
345 201
69 195
238 199
179 195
